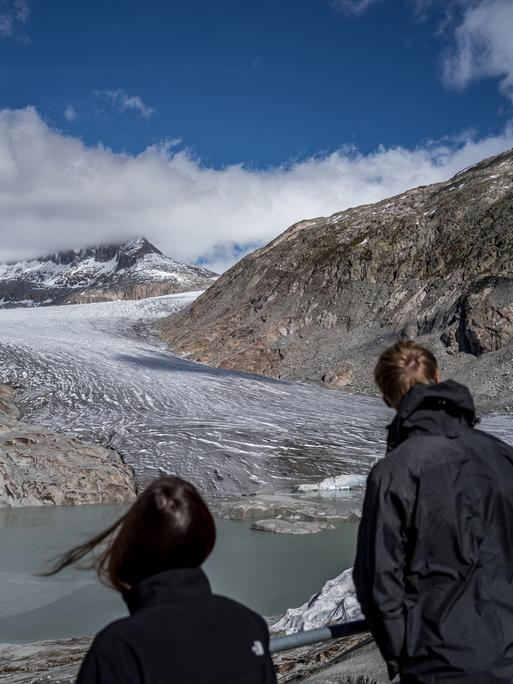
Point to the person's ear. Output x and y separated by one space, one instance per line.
438 377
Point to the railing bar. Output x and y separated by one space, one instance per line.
313 636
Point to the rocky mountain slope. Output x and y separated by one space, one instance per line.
434 263
132 270
38 467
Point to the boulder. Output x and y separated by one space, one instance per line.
340 377
38 467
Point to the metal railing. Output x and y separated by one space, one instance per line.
313 636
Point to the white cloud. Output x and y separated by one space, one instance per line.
14 14
70 113
357 7
55 192
481 31
125 102
354 6
484 46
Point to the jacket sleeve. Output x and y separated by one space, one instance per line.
109 661
381 560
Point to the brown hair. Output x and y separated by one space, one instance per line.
168 526
402 366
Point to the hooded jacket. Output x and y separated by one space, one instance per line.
434 565
179 632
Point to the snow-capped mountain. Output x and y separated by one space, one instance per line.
132 270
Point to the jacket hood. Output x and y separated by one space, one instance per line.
170 586
443 408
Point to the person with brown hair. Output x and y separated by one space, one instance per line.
178 631
434 563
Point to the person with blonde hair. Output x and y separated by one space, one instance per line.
434 563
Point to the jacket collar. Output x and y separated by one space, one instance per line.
443 408
170 586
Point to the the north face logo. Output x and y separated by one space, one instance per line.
258 648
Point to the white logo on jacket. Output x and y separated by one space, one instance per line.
258 648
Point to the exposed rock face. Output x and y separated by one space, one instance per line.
484 317
133 270
435 262
39 468
9 413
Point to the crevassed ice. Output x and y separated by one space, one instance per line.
90 372
94 370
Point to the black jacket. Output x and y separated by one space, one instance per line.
434 566
180 633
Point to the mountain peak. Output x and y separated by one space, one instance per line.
131 251
139 244
128 251
129 270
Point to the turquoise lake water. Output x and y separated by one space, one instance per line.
268 572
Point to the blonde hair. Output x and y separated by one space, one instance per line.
402 366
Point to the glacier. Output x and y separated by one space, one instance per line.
99 371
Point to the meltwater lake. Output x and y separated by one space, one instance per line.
267 572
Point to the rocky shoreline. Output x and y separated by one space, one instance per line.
351 661
39 468
51 662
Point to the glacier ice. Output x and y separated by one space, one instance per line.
98 371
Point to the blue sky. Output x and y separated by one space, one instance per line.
288 90
259 81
